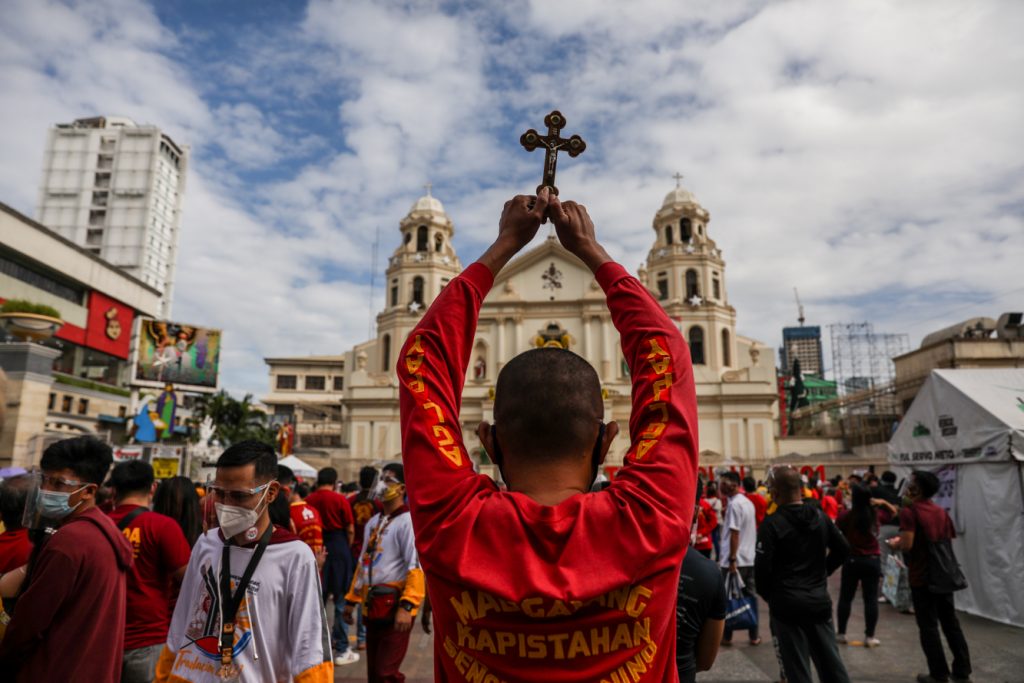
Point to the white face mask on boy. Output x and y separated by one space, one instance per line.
234 520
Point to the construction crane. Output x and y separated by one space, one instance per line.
799 306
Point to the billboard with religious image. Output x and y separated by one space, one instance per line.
186 356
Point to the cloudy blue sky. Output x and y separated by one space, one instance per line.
868 152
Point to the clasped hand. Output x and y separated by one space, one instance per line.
522 217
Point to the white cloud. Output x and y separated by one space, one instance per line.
865 151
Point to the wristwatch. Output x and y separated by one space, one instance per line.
407 606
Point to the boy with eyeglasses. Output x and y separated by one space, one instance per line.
69 621
249 608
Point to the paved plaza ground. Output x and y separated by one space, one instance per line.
997 653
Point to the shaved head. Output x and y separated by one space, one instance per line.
547 404
787 484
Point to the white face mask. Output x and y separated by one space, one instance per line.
387 490
234 520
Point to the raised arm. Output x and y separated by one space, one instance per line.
432 370
661 465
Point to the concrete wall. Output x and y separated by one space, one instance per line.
29 376
913 368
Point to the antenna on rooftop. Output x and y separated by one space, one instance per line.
800 307
373 281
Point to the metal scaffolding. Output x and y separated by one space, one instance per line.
862 358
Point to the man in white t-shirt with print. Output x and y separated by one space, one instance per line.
738 542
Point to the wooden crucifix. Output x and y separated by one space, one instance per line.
552 142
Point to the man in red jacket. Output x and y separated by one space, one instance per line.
160 556
547 581
69 622
338 531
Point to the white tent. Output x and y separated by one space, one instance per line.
967 426
298 467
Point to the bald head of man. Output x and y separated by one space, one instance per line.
786 486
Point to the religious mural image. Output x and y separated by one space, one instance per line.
184 355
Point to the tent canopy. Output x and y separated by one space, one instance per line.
298 467
967 426
963 416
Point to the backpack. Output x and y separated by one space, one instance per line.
944 573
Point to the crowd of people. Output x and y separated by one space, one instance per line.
108 575
784 536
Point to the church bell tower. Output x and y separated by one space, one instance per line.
686 274
424 262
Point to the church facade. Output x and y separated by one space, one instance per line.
547 296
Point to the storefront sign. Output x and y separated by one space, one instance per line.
125 453
165 468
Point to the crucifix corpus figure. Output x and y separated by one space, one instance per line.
552 142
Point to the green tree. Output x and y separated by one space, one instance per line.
233 420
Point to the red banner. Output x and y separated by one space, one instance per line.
108 328
110 325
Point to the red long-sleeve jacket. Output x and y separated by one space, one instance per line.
580 591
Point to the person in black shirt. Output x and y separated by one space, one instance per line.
797 548
700 613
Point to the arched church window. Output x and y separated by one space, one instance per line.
394 292
417 289
691 284
421 238
685 230
668 234
662 283
438 242
716 287
700 230
385 353
696 342
726 356
408 237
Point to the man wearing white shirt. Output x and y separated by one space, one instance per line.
249 609
738 542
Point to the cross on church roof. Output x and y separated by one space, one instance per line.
429 186
679 179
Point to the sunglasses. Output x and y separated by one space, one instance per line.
234 495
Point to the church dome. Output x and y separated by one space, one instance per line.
428 203
679 195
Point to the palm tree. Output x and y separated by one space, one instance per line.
233 420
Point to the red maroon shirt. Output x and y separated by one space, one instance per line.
580 591
159 549
927 519
861 544
15 549
308 525
69 624
760 506
830 506
333 507
707 520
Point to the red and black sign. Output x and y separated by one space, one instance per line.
108 328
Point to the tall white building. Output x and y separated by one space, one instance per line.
115 188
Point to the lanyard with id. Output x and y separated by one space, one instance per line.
230 602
